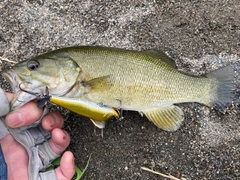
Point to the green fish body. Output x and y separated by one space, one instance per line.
143 81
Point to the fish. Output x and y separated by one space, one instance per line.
103 77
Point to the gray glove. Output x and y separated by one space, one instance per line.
34 140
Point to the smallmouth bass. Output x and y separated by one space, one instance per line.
143 81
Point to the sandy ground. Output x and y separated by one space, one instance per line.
199 35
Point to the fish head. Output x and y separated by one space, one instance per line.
59 74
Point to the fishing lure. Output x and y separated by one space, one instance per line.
98 113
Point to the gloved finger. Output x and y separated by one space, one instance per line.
65 171
52 148
52 120
24 116
4 105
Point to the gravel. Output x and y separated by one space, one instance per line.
200 36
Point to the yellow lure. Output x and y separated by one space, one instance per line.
98 113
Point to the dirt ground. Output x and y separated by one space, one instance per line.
199 35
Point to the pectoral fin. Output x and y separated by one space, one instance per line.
99 124
168 118
99 84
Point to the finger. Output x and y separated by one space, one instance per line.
66 170
25 115
59 141
52 120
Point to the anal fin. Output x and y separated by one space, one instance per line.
168 118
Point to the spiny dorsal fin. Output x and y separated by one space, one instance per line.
161 56
168 118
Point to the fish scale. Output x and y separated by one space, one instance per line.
139 77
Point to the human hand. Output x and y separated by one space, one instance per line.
15 154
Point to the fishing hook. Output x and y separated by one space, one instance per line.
43 98
119 110
29 92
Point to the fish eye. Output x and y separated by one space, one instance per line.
33 65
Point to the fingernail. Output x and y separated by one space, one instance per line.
14 119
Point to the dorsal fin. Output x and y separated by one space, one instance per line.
161 56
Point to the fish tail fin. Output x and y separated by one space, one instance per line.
227 87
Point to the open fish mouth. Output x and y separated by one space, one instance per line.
12 78
21 97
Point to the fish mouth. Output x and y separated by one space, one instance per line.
20 97
13 80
